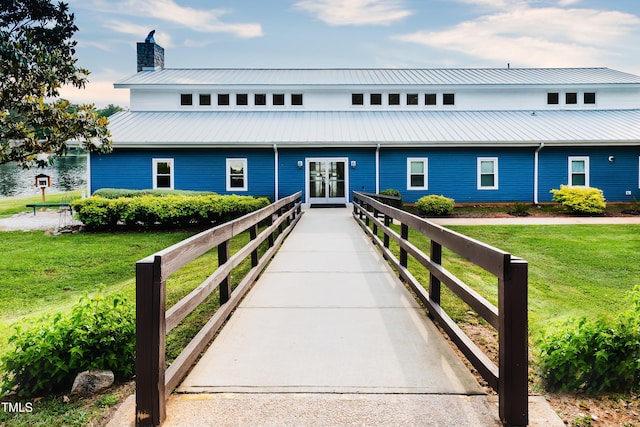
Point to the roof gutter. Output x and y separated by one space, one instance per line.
276 172
378 169
536 172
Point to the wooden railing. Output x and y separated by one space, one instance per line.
510 378
153 321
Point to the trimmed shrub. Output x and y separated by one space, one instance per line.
594 355
116 193
164 212
580 200
434 205
394 193
47 354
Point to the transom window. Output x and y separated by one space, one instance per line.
394 99
223 99
376 99
579 171
278 99
242 99
430 99
186 99
487 173
417 173
553 98
589 97
296 99
571 98
412 99
236 174
205 99
260 99
448 99
357 99
163 174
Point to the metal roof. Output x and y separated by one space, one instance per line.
369 128
390 76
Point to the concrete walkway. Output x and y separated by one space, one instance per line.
329 336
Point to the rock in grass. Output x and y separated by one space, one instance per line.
92 382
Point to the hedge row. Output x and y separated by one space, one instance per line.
116 193
164 212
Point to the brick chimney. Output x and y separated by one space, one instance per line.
150 56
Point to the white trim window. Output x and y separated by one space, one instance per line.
417 173
163 173
578 171
487 173
236 172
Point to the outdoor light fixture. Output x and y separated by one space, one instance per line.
353 163
299 163
612 158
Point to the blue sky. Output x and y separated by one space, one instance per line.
351 33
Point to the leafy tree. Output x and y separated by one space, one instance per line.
109 110
36 59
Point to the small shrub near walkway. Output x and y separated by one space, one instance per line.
45 355
434 205
587 355
580 200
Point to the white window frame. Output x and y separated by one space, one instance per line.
639 172
572 159
245 174
494 160
425 162
155 173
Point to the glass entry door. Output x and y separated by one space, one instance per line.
327 180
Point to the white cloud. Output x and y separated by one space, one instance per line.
201 20
538 37
355 12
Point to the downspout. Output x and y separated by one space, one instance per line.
536 173
378 169
276 172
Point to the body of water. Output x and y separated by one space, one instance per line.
67 173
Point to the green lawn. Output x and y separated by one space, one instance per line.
13 205
574 270
42 273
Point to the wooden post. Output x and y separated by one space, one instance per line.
404 233
271 239
150 343
513 342
253 233
435 253
375 227
387 223
225 285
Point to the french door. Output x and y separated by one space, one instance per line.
327 180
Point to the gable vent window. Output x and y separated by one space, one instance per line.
205 99
223 99
376 99
278 99
553 98
296 99
590 98
186 99
571 98
430 99
242 99
412 99
357 99
448 99
394 99
260 99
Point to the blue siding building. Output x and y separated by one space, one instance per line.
475 135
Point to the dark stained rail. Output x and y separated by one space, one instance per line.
154 384
510 377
